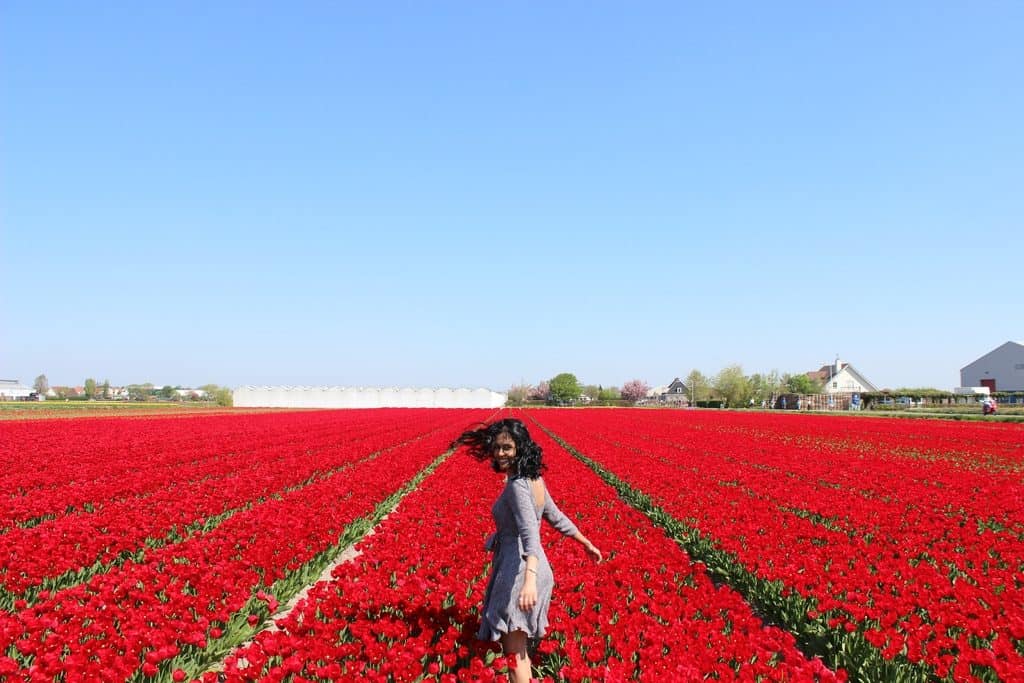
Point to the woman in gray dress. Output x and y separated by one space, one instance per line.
518 594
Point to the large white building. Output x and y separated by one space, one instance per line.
1001 369
13 390
365 397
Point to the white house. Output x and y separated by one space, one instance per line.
1001 369
841 378
13 390
657 391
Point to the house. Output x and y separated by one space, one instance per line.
676 393
655 393
841 378
14 390
1001 369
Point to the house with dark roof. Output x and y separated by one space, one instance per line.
676 393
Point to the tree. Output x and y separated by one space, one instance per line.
167 392
224 397
634 390
800 384
733 386
519 393
541 392
106 388
609 394
140 392
698 386
592 391
564 388
41 385
90 388
763 388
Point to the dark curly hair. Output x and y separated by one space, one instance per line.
481 445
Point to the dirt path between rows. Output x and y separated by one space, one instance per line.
347 555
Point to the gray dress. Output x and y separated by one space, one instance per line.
518 535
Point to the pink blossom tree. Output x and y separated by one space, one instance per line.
540 392
634 390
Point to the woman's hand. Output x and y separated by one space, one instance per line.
592 550
528 595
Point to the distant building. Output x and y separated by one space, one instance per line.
841 378
14 390
365 397
655 393
676 393
1001 369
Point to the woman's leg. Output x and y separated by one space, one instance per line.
515 643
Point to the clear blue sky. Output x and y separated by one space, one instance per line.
479 193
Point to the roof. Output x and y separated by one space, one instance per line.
860 378
1001 346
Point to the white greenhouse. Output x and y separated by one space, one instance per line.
365 397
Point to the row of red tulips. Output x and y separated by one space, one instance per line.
407 608
891 468
54 467
201 496
931 585
187 602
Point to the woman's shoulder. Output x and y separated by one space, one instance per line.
520 483
517 482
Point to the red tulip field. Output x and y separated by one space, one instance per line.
738 546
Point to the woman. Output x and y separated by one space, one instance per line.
519 591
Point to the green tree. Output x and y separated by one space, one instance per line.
772 384
41 385
592 391
609 394
90 388
763 388
166 392
698 386
106 388
139 392
733 386
564 388
224 397
801 384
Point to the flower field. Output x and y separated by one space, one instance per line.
739 546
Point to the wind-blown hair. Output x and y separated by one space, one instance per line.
481 445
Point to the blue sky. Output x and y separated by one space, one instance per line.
478 194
